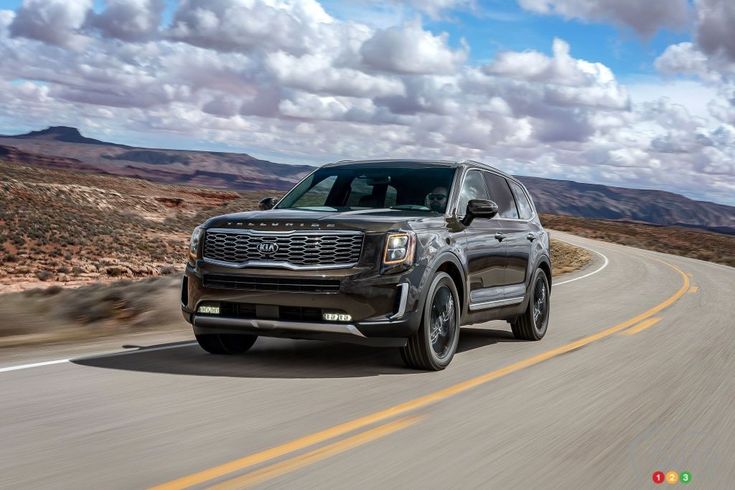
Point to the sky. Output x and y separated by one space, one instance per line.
617 92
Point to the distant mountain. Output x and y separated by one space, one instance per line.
14 155
570 198
65 147
64 134
202 168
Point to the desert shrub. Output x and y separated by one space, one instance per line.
53 290
168 270
44 275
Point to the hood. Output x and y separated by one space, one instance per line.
367 220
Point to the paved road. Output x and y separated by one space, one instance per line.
635 375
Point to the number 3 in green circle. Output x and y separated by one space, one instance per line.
685 477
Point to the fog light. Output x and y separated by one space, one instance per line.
209 309
336 317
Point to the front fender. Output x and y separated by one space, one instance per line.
437 262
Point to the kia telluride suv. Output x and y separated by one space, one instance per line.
396 253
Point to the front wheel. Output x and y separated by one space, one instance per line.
226 343
533 323
433 346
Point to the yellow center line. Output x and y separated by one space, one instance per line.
641 326
417 403
300 461
694 289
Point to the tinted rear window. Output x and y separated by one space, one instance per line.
525 209
500 193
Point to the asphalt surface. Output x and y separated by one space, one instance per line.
635 375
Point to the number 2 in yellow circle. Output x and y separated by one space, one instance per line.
672 477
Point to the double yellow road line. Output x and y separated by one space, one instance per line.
402 409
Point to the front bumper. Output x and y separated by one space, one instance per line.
383 307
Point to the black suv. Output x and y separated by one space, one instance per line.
387 253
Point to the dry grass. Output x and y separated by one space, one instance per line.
72 228
56 314
686 242
567 258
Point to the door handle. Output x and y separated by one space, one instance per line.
499 236
531 237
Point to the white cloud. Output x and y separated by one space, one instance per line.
685 58
244 25
715 20
410 49
52 21
692 95
316 73
645 17
567 81
130 20
712 56
561 68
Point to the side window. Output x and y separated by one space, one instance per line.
500 193
317 195
525 209
472 188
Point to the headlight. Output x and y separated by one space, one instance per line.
196 238
399 248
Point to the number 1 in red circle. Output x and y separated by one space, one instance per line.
658 477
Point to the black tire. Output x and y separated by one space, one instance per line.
434 352
227 344
533 323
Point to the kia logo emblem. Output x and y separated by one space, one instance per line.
267 248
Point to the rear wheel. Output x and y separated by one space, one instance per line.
533 323
433 346
226 343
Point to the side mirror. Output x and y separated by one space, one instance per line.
479 208
267 203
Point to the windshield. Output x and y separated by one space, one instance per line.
354 187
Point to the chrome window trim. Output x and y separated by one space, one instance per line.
455 204
528 196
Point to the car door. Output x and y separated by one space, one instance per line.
524 235
514 234
485 253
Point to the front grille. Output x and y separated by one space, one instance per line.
296 249
245 283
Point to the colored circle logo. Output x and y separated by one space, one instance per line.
658 477
685 477
672 477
